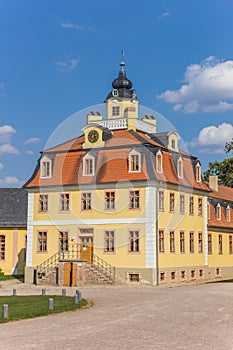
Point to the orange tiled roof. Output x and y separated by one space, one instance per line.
223 223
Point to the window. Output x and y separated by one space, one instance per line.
134 199
180 167
43 202
201 273
220 244
116 111
182 274
208 210
191 205
172 202
182 204
110 200
228 213
42 241
198 172
2 247
200 242
64 201
191 242
182 242
134 241
200 207
173 144
134 162
209 243
193 274
218 272
172 241
161 241
161 201
88 168
63 241
218 212
230 245
134 277
86 201
45 170
173 276
162 276
109 242
159 165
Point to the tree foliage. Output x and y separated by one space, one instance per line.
223 169
229 146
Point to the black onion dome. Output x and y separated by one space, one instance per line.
122 81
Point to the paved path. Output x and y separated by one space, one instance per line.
188 317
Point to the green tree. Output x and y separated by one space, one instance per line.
223 169
229 146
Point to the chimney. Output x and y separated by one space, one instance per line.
213 182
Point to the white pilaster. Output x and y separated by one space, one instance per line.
151 227
30 229
206 230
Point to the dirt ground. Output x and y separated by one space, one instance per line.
129 317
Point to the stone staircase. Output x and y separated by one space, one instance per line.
100 272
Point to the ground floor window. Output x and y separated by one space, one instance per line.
201 273
2 247
193 274
173 276
134 241
109 241
218 272
182 274
42 241
134 277
63 241
162 276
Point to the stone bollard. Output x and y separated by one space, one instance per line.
64 292
5 310
76 299
77 291
50 303
43 291
14 292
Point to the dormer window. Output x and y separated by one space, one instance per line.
115 111
159 162
45 168
134 162
88 166
198 172
218 212
208 210
228 213
173 144
180 168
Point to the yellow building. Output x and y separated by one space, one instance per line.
13 230
121 201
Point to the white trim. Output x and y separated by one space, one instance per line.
151 227
159 153
180 174
133 152
45 160
90 222
88 157
206 230
30 229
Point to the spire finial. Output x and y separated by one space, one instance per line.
122 60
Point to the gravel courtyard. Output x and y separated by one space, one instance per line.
129 317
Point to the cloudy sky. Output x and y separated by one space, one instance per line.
59 57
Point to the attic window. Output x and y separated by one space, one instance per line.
180 167
159 162
88 166
134 162
218 212
173 144
198 172
45 168
228 213
115 111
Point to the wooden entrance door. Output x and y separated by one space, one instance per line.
86 248
70 274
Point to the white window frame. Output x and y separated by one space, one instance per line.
45 160
116 116
198 172
88 157
159 153
219 211
180 161
131 154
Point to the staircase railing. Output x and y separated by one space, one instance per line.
104 267
51 262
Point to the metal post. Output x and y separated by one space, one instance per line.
76 299
5 310
50 303
63 292
43 291
77 291
14 292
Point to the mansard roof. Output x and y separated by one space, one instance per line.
111 162
13 207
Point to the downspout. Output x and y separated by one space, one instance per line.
157 236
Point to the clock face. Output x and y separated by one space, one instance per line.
93 136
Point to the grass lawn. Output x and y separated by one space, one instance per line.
10 277
20 307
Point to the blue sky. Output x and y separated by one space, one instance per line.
59 57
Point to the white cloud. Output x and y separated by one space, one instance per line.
212 139
67 66
207 87
31 140
9 181
165 14
6 131
1 166
30 152
7 148
70 25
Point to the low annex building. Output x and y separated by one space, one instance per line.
123 202
13 230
